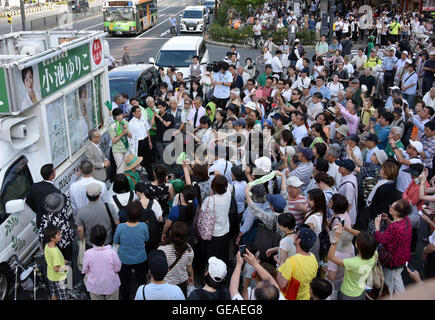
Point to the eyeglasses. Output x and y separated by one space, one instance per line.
294 93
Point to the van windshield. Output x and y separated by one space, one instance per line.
194 14
177 58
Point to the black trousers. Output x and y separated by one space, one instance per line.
220 103
388 80
426 85
112 171
216 247
140 272
145 152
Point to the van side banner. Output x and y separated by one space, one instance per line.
63 69
4 101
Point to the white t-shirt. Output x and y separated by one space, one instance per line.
335 88
222 206
268 58
299 133
287 244
316 219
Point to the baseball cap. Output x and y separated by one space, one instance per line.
232 107
217 269
355 81
346 163
408 61
353 137
307 236
415 169
395 88
240 122
307 152
294 181
381 155
417 145
158 264
277 201
93 189
235 91
405 52
296 40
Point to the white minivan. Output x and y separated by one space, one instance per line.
179 52
194 19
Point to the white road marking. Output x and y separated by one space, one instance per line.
164 33
100 24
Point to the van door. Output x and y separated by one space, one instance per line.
18 232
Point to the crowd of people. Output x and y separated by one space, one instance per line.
303 182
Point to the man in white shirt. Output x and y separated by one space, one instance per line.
300 62
276 63
302 81
359 60
256 28
196 112
314 108
300 131
429 98
399 67
221 82
77 190
422 32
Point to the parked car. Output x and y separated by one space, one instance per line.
194 19
179 52
136 80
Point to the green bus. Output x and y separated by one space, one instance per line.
129 17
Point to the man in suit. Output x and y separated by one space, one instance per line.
38 191
95 155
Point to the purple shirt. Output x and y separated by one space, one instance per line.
101 265
352 119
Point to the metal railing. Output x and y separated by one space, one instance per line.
62 18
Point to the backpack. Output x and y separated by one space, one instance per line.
205 220
324 241
153 227
233 215
122 213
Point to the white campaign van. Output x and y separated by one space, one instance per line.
179 52
194 19
53 90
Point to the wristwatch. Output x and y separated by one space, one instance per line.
333 242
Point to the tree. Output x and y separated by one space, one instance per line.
243 6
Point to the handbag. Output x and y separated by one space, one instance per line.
266 239
375 281
205 221
292 288
112 222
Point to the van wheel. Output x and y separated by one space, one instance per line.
6 278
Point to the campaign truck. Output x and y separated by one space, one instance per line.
53 89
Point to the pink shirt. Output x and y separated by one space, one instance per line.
352 119
101 266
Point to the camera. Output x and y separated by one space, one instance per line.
214 66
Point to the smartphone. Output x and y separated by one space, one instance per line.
409 267
342 222
242 249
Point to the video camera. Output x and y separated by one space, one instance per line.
214 66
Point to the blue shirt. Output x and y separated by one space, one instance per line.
326 93
312 24
389 62
131 242
174 214
239 193
173 21
334 47
408 80
382 133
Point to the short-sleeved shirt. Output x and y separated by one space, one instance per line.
163 291
221 91
54 258
287 244
356 273
119 146
131 240
305 270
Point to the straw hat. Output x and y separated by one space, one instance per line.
131 161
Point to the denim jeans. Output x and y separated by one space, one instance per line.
410 98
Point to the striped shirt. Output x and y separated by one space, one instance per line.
428 149
178 274
303 171
290 208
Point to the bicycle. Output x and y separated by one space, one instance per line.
173 31
25 271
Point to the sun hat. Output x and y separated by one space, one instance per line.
131 161
343 130
294 181
417 145
54 202
93 189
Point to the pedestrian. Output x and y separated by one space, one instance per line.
101 265
126 56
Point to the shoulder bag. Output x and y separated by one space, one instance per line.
205 220
112 222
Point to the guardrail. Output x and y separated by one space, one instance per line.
62 18
31 8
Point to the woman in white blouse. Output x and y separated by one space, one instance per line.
219 203
334 86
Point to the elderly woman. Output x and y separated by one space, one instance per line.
396 243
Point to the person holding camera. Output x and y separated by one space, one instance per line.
221 82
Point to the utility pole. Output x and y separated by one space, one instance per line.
215 9
23 15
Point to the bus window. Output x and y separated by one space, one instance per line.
16 184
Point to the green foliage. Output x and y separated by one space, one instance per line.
17 243
243 5
222 15
306 37
226 34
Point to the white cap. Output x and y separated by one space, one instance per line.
251 105
294 182
264 164
417 145
408 61
235 91
406 52
296 40
364 88
217 269
395 88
